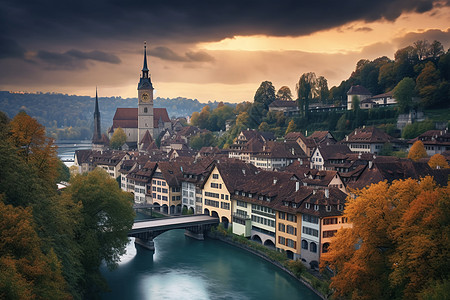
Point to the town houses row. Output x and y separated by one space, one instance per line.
288 195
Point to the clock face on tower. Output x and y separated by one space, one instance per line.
145 97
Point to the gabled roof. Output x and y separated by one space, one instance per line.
128 117
334 151
368 135
358 90
146 139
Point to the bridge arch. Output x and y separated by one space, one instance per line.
269 243
214 214
206 211
257 238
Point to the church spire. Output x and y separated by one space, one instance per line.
145 68
145 82
97 130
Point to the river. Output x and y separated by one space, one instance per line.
184 268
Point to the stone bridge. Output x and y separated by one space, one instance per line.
146 230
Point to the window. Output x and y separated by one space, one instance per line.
344 220
164 198
241 203
310 231
225 205
216 185
282 215
226 197
145 109
281 227
307 206
316 207
292 218
291 230
281 240
330 221
313 247
158 190
311 219
329 233
163 183
340 206
164 191
328 207
215 176
304 244
214 195
212 203
290 243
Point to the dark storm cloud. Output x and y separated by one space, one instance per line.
188 21
9 48
167 54
73 59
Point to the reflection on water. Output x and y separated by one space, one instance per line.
184 268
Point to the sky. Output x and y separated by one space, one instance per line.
205 50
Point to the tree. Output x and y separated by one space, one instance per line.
438 161
105 217
427 84
322 89
265 94
291 127
263 127
37 150
387 252
118 139
204 139
284 94
306 90
25 271
417 151
436 50
403 93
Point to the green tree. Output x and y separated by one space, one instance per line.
403 93
105 217
263 127
291 127
306 88
284 94
204 139
63 172
427 84
118 139
417 151
265 94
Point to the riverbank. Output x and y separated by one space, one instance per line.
294 268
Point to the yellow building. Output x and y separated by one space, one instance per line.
289 233
218 186
166 187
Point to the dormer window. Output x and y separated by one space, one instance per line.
316 207
328 207
307 206
340 207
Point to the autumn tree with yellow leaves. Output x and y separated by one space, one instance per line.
417 151
399 244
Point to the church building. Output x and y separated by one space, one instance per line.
137 121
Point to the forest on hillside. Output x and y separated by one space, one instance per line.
419 77
71 117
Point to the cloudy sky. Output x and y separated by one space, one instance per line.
208 50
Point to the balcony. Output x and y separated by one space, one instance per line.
241 216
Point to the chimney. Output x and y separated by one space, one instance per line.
243 171
314 192
274 181
370 164
327 193
297 186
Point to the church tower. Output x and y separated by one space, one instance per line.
145 105
96 138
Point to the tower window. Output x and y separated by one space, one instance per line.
145 109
